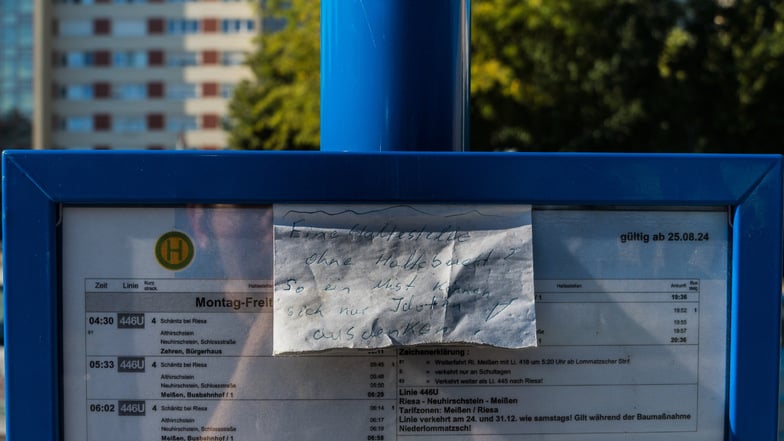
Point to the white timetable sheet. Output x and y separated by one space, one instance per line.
167 329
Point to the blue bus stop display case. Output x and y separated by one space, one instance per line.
382 296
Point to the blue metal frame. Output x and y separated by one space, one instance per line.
35 184
394 75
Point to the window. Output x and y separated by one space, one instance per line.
181 91
24 68
9 35
182 26
182 59
77 92
78 124
130 92
129 124
76 28
77 59
232 58
182 123
130 59
129 28
227 90
237 25
25 31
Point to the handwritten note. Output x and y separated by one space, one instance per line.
371 276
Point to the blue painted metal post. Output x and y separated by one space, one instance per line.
394 75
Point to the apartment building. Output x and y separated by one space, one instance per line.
138 74
16 57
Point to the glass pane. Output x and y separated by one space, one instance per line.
76 28
77 92
129 28
78 124
181 91
181 123
130 124
131 92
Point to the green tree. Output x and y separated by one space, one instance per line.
565 75
279 108
743 62
627 75
15 131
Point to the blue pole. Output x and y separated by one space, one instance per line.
394 75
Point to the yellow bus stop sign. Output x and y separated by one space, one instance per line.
174 250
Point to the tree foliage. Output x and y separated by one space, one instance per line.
15 131
279 108
565 75
628 75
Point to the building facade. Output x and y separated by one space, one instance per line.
16 72
138 74
16 56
